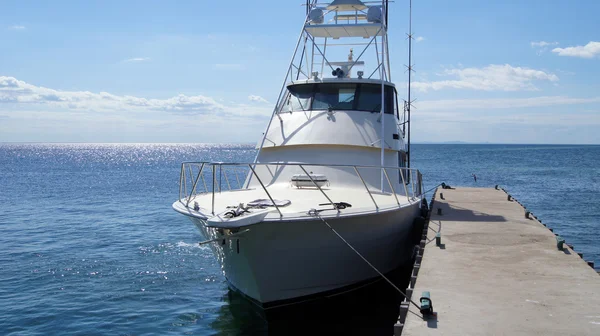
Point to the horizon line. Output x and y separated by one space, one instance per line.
253 143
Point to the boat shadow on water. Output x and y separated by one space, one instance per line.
369 310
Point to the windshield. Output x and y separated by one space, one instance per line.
299 98
339 96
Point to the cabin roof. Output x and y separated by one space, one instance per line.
353 80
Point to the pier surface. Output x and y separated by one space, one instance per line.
498 273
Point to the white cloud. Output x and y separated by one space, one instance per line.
495 77
590 50
257 99
542 44
419 38
17 27
23 95
502 103
137 59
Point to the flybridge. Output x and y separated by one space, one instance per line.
362 26
345 19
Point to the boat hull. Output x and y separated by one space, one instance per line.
284 261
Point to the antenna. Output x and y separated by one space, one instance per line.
410 70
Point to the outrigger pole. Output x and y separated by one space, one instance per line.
382 110
410 70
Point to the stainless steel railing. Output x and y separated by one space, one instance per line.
228 179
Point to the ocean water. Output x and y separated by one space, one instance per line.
89 243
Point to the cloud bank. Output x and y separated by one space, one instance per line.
16 91
502 103
257 99
494 77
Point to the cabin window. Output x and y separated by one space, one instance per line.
340 96
346 97
390 94
370 98
396 105
299 98
334 96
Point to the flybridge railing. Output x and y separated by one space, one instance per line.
200 178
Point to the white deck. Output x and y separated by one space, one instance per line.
303 199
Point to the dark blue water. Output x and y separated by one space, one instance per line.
90 245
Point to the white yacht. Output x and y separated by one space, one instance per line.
331 181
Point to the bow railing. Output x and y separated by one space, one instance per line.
200 178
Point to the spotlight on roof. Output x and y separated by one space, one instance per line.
339 73
374 15
316 16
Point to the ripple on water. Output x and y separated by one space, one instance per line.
90 245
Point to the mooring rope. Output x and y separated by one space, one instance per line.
314 212
428 190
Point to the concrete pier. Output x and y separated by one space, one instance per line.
497 272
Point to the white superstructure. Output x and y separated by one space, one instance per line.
334 151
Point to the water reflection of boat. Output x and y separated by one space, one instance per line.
335 157
370 310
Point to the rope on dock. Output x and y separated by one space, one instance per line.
430 189
314 212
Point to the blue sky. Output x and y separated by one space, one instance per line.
197 71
